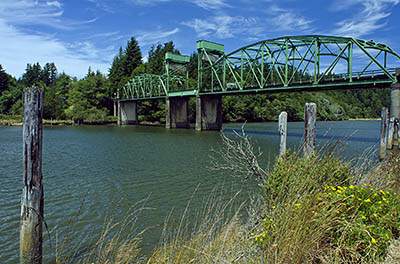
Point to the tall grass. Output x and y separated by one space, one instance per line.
317 209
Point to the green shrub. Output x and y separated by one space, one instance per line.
313 214
293 175
366 220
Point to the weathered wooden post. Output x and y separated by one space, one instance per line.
32 203
390 135
382 150
282 132
119 113
310 119
396 133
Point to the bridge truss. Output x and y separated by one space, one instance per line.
281 64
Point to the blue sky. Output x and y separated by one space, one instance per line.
76 34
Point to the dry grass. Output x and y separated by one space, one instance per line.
393 256
216 236
118 241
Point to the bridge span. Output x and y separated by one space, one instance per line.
285 64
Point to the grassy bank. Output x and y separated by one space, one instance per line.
317 209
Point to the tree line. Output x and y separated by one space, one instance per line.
90 99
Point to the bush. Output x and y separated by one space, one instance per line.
293 176
366 220
313 213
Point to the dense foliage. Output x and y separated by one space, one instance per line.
89 99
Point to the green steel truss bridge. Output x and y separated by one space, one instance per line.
283 64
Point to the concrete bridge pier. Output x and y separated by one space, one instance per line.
209 112
177 112
127 113
395 100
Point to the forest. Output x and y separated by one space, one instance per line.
89 100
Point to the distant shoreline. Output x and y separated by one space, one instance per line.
11 122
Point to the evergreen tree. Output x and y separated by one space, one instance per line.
124 65
157 57
49 74
3 80
132 57
32 74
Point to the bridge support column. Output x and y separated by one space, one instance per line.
177 112
127 113
395 111
209 112
395 100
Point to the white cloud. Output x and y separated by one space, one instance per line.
146 2
210 4
19 45
223 26
206 4
30 12
54 3
287 20
153 37
371 18
22 12
18 48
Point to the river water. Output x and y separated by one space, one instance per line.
91 172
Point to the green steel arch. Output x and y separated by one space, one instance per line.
311 62
152 86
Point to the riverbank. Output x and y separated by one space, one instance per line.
16 120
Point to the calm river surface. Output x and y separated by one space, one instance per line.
119 166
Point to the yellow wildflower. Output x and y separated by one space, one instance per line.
351 187
367 201
373 241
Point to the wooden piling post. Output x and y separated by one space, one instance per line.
396 133
382 150
282 132
32 203
119 114
310 119
390 134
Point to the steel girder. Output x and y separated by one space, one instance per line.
295 62
153 86
310 62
